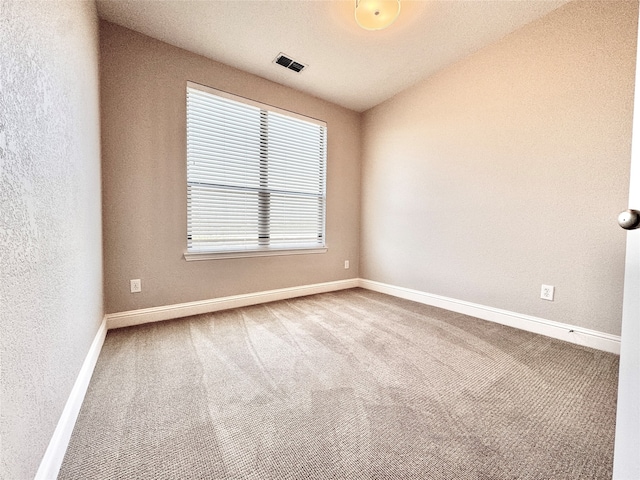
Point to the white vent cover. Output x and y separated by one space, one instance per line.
287 62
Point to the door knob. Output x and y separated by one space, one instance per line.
629 219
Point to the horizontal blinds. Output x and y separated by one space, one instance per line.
255 176
223 141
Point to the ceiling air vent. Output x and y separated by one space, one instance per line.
287 62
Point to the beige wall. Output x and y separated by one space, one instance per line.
507 170
50 218
143 84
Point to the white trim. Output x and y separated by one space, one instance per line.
550 328
562 331
168 312
53 457
221 255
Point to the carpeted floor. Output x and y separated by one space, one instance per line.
345 385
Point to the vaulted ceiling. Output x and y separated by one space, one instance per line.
347 65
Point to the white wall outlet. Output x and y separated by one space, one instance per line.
346 264
546 292
136 285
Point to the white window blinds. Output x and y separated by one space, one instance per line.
255 175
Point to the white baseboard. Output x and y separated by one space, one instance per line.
53 457
549 328
168 312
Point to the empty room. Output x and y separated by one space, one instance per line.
289 239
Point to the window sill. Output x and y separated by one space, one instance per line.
196 256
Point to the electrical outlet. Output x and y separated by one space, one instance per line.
346 264
136 285
546 292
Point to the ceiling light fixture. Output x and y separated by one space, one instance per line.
376 14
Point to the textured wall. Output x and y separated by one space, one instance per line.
50 218
143 85
508 169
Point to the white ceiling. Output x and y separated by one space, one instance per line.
347 65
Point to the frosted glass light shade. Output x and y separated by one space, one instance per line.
376 14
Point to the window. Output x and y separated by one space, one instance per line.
255 177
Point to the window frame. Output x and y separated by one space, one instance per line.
258 250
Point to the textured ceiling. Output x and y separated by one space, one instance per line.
347 65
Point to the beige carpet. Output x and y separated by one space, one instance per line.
346 385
